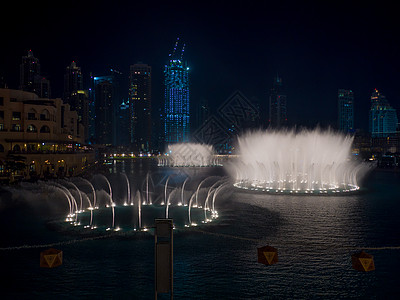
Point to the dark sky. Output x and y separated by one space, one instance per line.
315 46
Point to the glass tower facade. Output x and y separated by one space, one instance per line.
277 105
382 117
140 107
346 110
105 102
176 106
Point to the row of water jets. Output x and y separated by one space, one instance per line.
211 185
189 161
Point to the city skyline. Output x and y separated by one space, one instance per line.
316 48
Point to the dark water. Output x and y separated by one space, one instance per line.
315 237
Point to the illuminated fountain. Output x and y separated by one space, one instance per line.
189 155
92 204
289 162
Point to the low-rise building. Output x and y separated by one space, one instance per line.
40 137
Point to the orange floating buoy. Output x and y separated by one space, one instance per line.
267 255
51 258
363 261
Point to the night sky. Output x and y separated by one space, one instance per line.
315 47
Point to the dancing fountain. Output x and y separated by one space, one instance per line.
93 205
306 162
189 155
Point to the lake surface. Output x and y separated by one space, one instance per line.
315 237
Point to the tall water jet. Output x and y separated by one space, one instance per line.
212 190
79 193
72 200
147 182
190 209
199 186
69 200
93 191
128 187
147 189
183 190
90 207
305 162
139 208
166 188
112 204
167 204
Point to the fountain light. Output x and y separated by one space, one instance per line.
305 162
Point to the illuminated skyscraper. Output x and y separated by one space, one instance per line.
346 110
140 106
72 81
176 106
382 117
277 104
75 96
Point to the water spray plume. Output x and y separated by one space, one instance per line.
311 162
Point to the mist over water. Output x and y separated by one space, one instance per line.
307 161
189 155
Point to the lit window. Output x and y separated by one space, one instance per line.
16 115
16 127
31 128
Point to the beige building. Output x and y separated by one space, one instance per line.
40 137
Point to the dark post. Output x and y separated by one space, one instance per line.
163 249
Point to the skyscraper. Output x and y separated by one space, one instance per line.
277 104
382 117
176 106
29 68
75 96
30 78
72 81
109 102
103 108
345 110
140 106
123 122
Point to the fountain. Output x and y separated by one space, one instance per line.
189 155
189 201
305 162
